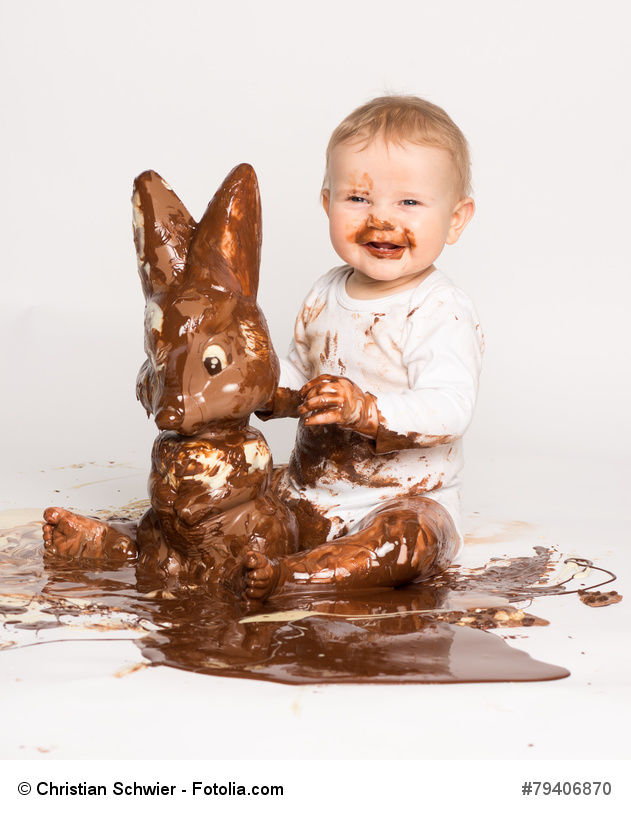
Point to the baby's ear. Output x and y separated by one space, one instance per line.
163 230
325 197
460 217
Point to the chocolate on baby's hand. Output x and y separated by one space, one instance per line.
337 400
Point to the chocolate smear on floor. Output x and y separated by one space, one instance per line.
598 599
433 632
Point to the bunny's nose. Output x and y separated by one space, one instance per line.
168 419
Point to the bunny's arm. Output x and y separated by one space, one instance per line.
144 384
198 480
284 404
287 396
193 502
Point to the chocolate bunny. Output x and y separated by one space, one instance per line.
210 364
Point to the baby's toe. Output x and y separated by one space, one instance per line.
256 592
254 561
52 515
257 578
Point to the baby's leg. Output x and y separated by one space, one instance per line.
73 535
401 541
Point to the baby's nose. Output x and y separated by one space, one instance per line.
378 223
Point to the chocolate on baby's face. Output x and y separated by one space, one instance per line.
392 208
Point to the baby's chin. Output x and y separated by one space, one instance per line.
389 277
378 266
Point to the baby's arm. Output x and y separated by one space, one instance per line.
441 353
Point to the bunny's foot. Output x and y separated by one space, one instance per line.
73 535
261 575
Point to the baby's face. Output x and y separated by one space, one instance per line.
392 208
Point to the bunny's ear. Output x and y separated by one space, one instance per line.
163 230
226 249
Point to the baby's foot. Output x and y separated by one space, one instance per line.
73 535
261 575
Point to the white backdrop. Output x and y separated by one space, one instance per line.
96 93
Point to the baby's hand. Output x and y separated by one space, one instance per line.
335 400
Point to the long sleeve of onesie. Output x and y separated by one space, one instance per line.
441 352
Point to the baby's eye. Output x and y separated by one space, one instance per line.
214 359
356 199
410 202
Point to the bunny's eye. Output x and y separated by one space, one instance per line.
213 365
214 359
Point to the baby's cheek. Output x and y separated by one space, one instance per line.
410 237
350 233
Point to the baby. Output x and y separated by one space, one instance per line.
383 369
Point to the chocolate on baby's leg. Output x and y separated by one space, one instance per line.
73 535
405 539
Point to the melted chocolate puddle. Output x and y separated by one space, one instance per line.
434 632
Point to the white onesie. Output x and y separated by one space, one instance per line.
419 353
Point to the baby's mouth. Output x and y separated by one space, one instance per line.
378 245
383 248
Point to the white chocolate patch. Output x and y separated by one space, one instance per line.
154 317
325 575
384 549
281 616
139 228
168 474
257 455
297 615
217 470
191 325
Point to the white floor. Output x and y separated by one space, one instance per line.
78 699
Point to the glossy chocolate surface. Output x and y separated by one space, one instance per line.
434 632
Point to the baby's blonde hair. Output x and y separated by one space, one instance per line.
405 118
